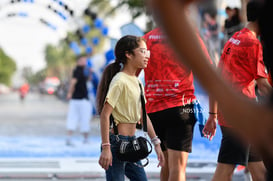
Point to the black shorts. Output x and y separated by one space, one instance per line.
174 126
235 151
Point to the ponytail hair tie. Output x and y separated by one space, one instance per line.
121 65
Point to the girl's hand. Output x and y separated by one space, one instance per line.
160 155
105 157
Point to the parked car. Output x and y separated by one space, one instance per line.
49 85
4 89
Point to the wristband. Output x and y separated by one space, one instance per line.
105 144
154 138
156 141
212 113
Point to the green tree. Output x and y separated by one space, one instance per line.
33 78
7 68
59 60
135 7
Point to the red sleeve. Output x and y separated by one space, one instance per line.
257 63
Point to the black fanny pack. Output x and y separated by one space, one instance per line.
134 150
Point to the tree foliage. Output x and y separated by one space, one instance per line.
135 7
7 68
59 60
31 77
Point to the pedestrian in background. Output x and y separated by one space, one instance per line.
242 64
79 111
23 91
233 22
212 35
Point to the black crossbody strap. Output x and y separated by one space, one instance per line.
143 114
114 125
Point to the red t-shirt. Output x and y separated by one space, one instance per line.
167 82
241 64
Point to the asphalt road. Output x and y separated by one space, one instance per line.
37 115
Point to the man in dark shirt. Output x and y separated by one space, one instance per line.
79 106
232 23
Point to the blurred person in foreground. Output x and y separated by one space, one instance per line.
79 111
170 104
249 119
242 65
119 95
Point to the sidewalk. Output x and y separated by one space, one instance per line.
87 168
